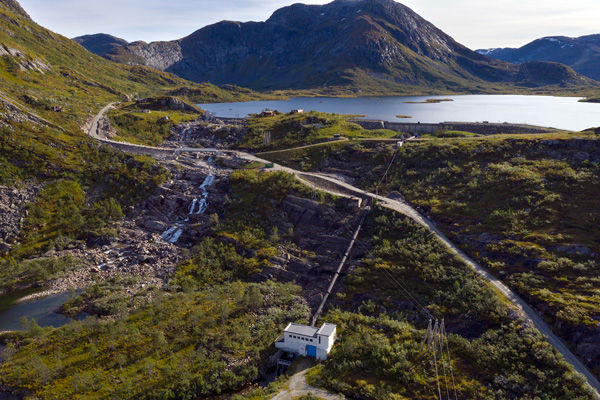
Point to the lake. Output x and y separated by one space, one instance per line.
41 309
556 112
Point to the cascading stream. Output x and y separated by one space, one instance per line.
173 234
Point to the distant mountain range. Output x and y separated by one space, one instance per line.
582 53
365 45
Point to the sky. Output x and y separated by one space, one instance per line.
474 23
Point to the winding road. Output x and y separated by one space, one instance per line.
337 187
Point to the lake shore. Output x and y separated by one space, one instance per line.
563 113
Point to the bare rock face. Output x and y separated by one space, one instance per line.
25 62
214 134
13 212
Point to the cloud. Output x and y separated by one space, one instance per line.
475 23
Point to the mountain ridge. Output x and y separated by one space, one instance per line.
343 43
580 53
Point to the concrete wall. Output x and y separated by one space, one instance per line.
412 127
479 128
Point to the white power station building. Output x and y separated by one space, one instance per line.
308 341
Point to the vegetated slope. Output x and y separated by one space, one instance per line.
582 53
49 87
212 334
354 46
380 351
150 121
293 130
525 208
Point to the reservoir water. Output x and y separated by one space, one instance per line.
41 309
556 112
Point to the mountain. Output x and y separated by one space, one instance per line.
101 43
50 86
582 53
14 6
363 44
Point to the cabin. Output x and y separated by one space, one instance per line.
298 111
267 113
307 341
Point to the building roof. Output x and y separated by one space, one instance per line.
327 330
303 330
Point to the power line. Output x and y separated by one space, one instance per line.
445 336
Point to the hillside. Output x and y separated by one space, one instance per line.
180 271
368 46
209 333
582 53
49 88
522 206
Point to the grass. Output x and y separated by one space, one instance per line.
198 344
525 207
149 129
379 353
292 130
210 334
450 134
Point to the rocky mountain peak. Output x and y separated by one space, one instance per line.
14 6
343 43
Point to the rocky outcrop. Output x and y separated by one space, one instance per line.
163 103
25 62
13 202
216 134
321 234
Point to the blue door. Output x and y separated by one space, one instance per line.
311 351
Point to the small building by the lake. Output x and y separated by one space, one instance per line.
297 111
307 341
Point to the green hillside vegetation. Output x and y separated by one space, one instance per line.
208 335
185 345
380 351
207 93
526 208
211 333
50 86
292 130
149 122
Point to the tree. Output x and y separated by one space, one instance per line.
254 298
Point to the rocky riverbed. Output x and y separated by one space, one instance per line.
216 133
140 247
